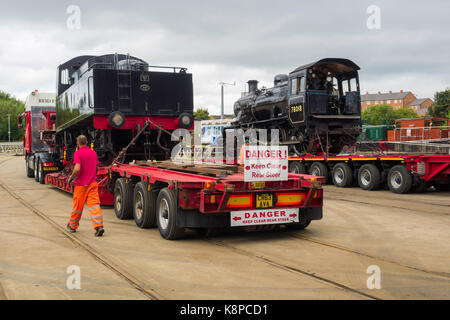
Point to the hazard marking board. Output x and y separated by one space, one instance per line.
259 217
266 163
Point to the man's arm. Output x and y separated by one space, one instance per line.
75 172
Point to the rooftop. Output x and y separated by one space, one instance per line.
385 96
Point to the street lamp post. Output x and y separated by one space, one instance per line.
222 84
9 128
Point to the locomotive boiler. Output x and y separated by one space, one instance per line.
317 107
110 98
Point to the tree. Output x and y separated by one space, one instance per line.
13 107
377 114
441 105
201 114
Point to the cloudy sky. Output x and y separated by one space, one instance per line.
231 41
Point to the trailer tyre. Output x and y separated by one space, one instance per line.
302 224
144 212
30 172
369 177
342 175
36 170
166 215
319 169
399 179
123 199
42 174
297 167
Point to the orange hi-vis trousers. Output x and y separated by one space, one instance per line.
81 195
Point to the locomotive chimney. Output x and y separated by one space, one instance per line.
252 86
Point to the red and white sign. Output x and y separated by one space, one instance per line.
267 216
266 163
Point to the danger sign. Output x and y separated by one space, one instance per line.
266 163
269 216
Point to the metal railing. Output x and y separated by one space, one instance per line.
11 147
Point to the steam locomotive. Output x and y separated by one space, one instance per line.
110 98
317 107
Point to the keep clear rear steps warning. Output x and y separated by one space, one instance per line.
260 217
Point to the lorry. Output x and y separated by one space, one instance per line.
38 121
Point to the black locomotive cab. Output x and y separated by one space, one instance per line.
327 89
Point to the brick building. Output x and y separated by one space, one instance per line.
420 106
395 99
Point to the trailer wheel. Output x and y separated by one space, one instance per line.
302 224
342 175
166 215
42 174
369 177
399 179
143 206
319 169
123 199
297 167
36 170
30 172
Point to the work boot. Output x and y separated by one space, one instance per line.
99 231
70 228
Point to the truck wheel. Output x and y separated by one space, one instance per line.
36 170
143 206
42 174
342 175
166 215
123 199
30 172
297 167
399 179
369 177
319 169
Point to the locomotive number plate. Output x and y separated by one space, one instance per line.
264 200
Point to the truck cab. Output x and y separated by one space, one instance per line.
39 122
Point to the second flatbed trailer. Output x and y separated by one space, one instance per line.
400 173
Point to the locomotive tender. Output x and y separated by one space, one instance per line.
317 107
109 98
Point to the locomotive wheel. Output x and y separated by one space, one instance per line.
342 175
42 174
143 206
123 199
166 215
297 167
369 177
30 172
319 169
399 179
36 170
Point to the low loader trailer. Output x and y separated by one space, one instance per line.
206 197
401 173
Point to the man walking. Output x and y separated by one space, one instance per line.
86 188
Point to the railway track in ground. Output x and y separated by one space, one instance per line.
294 270
133 281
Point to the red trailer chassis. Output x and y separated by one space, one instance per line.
201 202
